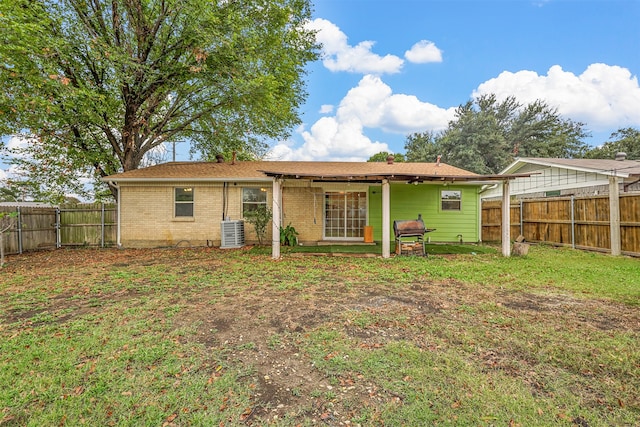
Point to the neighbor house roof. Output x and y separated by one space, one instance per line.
26 205
265 170
621 168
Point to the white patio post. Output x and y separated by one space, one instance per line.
506 219
276 218
614 215
386 245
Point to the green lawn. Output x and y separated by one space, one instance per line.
190 337
376 249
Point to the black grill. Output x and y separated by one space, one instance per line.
409 228
414 230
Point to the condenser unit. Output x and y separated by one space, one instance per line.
232 234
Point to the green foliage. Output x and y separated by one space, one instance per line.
626 140
487 135
288 236
422 147
96 87
383 155
6 222
259 218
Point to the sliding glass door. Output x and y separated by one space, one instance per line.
345 215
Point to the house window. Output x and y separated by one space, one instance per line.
345 215
252 198
451 200
183 202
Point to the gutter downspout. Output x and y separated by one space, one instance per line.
117 187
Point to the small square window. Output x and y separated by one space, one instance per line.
183 202
252 198
451 200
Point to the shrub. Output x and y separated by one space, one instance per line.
288 236
260 218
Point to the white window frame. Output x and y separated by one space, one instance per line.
450 200
346 222
181 203
262 191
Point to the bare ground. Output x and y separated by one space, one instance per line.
262 326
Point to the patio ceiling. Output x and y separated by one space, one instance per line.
396 177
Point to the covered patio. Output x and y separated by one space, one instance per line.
280 176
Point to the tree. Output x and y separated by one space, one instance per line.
486 135
383 155
625 140
7 219
97 85
422 147
260 218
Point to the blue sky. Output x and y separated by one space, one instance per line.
394 67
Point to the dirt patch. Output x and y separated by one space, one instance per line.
599 314
262 329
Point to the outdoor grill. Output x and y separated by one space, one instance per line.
410 236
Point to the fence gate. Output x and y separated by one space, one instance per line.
51 227
34 228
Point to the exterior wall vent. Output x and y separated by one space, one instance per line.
232 234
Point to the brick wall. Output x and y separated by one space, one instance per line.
147 212
303 209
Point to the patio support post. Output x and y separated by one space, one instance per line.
614 215
275 221
506 219
386 245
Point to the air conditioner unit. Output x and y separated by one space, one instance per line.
232 234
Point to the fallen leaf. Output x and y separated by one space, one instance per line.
246 414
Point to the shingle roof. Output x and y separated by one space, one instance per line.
264 169
622 168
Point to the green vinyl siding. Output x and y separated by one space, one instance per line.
407 201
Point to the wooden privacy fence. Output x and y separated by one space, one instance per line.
579 222
55 227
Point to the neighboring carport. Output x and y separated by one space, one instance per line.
279 176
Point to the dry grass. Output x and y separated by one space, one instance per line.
210 337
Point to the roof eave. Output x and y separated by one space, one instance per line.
609 172
165 180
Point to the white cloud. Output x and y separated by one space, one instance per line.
374 104
371 104
326 109
340 56
423 52
603 96
17 142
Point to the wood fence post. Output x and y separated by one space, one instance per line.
573 221
614 215
506 219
